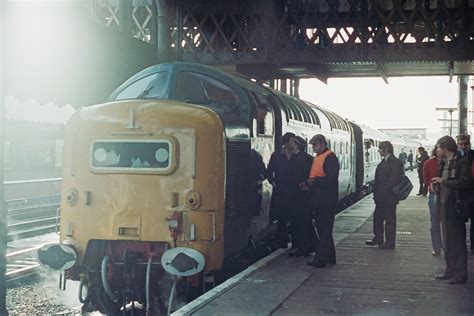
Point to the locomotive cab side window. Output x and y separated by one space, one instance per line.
201 89
262 115
153 86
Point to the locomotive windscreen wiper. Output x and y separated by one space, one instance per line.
145 92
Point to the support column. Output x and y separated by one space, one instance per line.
164 18
462 127
283 86
3 208
296 88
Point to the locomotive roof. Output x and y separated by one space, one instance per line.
171 67
294 108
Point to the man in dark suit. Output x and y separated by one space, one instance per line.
464 147
303 233
387 176
281 176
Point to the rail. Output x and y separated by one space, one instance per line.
21 264
31 217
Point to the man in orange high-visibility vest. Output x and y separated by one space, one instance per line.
324 185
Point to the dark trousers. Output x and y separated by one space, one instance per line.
385 219
325 250
304 232
423 188
456 250
471 233
283 231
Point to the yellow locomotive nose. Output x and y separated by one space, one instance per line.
149 172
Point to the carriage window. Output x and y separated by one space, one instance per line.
132 155
268 123
202 89
149 87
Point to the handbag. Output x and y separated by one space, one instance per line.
462 208
402 191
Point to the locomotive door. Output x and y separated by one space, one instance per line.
262 146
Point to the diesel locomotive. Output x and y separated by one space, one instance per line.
173 160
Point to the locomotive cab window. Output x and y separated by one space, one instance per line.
153 156
150 87
202 89
262 115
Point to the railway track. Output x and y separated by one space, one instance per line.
21 264
31 188
32 216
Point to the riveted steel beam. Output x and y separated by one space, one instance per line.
328 32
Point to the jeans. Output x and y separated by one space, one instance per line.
436 239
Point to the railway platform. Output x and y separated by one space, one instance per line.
365 281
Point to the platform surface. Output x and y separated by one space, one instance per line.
365 281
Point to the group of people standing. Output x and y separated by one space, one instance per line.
404 158
305 188
448 176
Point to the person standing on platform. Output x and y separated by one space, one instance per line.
280 174
387 176
464 147
422 157
453 183
403 158
430 170
323 184
303 232
410 160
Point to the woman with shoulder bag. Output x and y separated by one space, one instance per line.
453 184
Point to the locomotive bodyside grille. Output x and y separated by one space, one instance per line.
237 211
237 177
